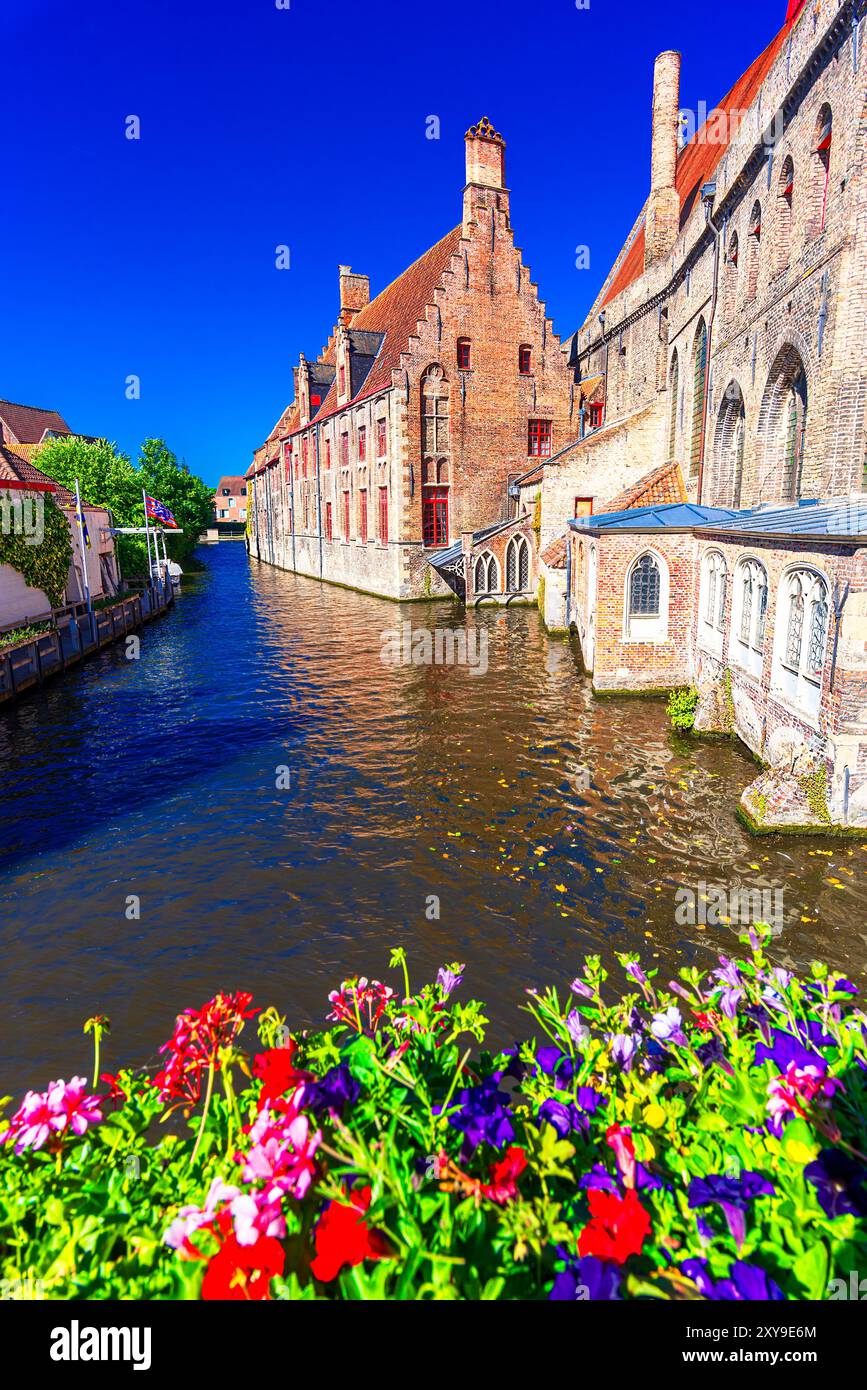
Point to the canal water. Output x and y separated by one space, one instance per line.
286 809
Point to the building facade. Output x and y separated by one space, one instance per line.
426 402
230 502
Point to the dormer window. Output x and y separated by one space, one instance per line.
464 354
525 359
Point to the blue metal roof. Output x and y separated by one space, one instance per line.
845 517
674 515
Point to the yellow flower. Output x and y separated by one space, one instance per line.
654 1115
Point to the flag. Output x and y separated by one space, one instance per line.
81 518
158 512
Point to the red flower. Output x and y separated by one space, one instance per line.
275 1070
243 1272
342 1238
502 1187
618 1228
194 1045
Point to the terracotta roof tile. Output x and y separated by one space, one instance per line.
697 161
28 422
12 464
661 486
554 555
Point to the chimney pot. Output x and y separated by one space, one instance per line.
354 293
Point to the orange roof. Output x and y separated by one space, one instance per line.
658 487
697 161
395 312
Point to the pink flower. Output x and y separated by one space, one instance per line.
255 1214
356 996
190 1218
47 1114
793 1092
619 1138
281 1152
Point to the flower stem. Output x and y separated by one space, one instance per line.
208 1091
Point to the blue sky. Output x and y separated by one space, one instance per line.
302 127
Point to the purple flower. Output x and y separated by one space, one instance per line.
622 1049
785 1049
578 1031
583 991
588 1278
635 972
333 1092
668 1025
552 1061
483 1115
448 980
839 1182
598 1179
732 1194
712 1053
746 1283
564 1118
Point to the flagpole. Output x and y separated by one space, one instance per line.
147 537
80 519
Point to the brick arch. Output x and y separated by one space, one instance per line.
782 426
753 251
699 385
818 185
728 448
784 215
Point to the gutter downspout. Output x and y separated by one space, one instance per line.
318 497
292 510
707 195
604 370
568 577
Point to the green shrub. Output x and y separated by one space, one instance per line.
681 707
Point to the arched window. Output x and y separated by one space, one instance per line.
729 450
435 445
802 637
731 275
699 382
673 388
517 565
754 243
783 429
487 575
646 617
712 601
783 230
749 614
821 170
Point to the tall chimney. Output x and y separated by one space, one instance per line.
486 170
662 221
354 294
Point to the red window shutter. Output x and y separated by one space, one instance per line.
383 515
380 439
342 381
362 515
344 450
346 515
525 360
464 354
329 532
362 443
328 453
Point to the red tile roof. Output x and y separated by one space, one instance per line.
697 161
14 466
660 486
28 423
395 312
554 555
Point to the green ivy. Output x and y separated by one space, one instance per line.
681 707
44 566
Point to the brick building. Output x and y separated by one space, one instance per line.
730 338
424 405
230 502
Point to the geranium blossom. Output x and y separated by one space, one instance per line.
281 1152
241 1273
796 1091
45 1115
196 1042
343 1238
357 997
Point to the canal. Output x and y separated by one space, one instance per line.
285 808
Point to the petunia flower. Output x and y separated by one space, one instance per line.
617 1229
667 1026
840 1183
732 1194
590 1278
333 1092
745 1283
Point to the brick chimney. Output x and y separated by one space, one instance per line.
662 221
354 294
486 170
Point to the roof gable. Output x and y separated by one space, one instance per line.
29 423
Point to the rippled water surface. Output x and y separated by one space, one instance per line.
158 778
